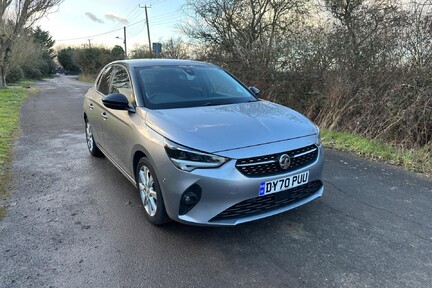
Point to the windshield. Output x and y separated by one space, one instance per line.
190 86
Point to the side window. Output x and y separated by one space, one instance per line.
121 83
104 81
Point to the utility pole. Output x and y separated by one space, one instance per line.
148 29
124 41
89 40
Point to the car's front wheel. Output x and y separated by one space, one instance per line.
150 193
91 144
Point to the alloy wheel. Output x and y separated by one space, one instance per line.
89 136
147 191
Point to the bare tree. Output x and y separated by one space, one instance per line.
362 25
17 15
417 35
175 49
23 49
243 34
140 51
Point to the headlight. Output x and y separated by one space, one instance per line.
187 159
318 140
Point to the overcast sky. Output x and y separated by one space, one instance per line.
76 21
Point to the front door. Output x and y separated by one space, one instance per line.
119 129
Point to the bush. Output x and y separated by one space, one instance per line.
32 71
91 60
15 74
65 57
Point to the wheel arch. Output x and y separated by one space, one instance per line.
138 152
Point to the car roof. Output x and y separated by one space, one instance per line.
133 63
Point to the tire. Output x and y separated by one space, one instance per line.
91 144
150 193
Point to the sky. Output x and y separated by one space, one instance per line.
74 22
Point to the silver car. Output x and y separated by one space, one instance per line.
200 146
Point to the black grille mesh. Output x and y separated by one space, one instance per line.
269 202
269 169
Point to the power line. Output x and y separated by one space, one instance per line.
96 35
165 15
153 2
118 25
137 29
166 21
134 14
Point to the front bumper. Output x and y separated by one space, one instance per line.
225 186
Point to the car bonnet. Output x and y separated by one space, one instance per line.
226 127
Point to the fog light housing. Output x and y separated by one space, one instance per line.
189 199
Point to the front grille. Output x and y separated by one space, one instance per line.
268 165
269 202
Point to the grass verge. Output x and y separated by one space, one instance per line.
87 78
419 160
11 99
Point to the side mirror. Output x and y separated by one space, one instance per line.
117 102
254 90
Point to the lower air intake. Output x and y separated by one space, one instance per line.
258 205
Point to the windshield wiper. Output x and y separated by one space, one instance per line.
211 104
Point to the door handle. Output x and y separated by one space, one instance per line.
91 106
104 115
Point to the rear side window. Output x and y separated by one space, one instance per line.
120 83
104 81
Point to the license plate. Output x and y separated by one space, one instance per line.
283 183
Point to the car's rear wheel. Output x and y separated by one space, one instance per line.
150 193
91 144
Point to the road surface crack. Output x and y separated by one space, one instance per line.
376 207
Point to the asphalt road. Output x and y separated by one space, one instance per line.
75 221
